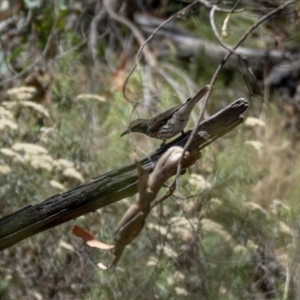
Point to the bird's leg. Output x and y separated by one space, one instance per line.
182 132
163 144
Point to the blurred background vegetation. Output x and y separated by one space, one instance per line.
231 229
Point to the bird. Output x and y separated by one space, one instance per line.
169 123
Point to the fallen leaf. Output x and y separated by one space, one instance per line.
90 239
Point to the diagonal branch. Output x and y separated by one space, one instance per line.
216 74
110 187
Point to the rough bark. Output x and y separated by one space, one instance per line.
109 187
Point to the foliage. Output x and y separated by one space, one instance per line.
228 232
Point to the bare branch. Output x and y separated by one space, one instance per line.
214 78
228 16
182 11
133 221
110 187
136 32
100 14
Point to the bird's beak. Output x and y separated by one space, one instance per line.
125 132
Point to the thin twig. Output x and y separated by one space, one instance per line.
24 71
224 10
155 267
138 56
214 28
163 197
228 16
136 32
100 14
213 80
287 283
228 48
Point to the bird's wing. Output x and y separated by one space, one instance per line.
183 114
164 117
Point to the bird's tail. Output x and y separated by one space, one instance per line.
184 112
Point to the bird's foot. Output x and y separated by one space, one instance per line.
183 172
163 144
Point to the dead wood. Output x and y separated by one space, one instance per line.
188 45
133 221
111 186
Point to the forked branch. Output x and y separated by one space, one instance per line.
110 187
